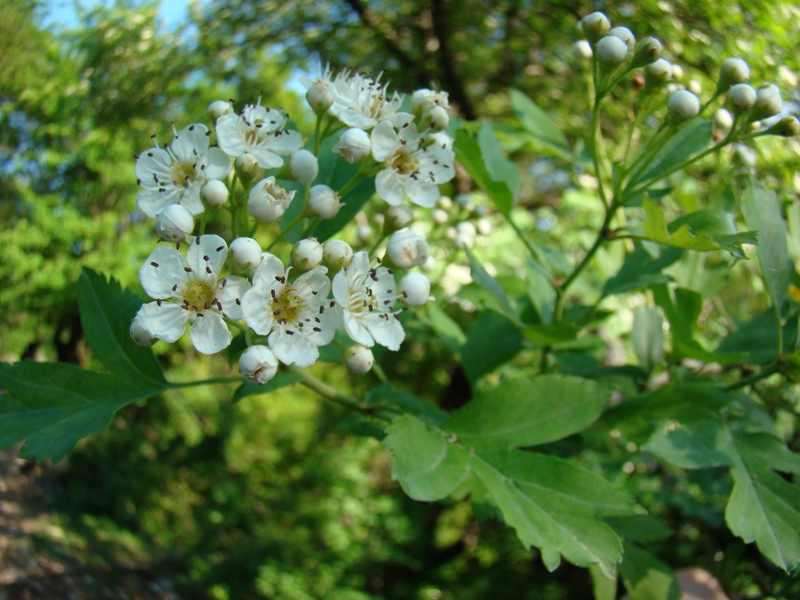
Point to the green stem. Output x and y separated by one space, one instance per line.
767 372
213 380
597 146
326 391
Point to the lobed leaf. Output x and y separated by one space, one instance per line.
483 161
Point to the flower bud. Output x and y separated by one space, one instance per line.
742 96
745 156
323 202
768 103
320 96
303 166
244 254
465 234
214 192
445 202
258 364
611 51
647 51
733 71
218 108
582 50
246 166
595 26
306 255
723 120
396 218
683 105
415 288
174 223
677 72
359 359
658 73
365 234
436 118
141 334
788 126
407 248
626 35
484 226
695 87
353 145
336 255
268 201
440 217
424 100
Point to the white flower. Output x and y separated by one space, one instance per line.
407 248
362 101
190 292
367 298
258 364
323 202
268 201
414 168
424 100
319 91
353 145
415 288
296 315
174 223
259 131
304 166
175 173
359 359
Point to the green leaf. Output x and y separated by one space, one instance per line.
106 314
500 301
694 446
756 341
547 135
690 140
487 167
687 234
552 335
765 508
527 412
53 405
647 578
647 335
281 380
641 271
603 588
387 394
424 464
642 529
445 328
489 331
352 203
762 209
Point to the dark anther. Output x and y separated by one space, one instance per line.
155 264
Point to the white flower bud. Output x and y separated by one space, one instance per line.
625 34
218 108
353 145
436 118
484 226
788 126
745 156
648 50
320 96
424 100
695 87
415 288
323 202
246 166
258 364
733 71
658 73
364 234
742 96
214 192
683 105
174 223
445 202
336 255
268 201
397 217
677 72
359 359
582 50
244 254
465 234
768 103
407 248
306 255
611 51
723 120
303 166
440 217
141 334
595 26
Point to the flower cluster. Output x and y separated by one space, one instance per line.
287 308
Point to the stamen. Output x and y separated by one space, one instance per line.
155 264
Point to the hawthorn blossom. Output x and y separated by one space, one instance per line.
175 173
189 291
362 101
414 167
366 296
296 314
259 131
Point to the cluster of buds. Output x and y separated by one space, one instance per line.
288 308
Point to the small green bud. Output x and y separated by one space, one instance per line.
246 166
595 26
611 51
768 103
683 105
733 71
788 126
582 50
741 96
658 73
647 51
626 35
723 120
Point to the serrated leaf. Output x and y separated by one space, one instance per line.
527 412
694 446
647 335
603 588
489 331
642 529
281 380
553 334
445 328
647 578
52 405
501 303
106 314
387 394
495 182
535 121
640 270
690 140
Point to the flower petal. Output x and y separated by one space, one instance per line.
386 332
166 322
190 142
161 271
209 333
388 187
293 349
384 141
217 164
208 252
357 332
257 311
234 289
152 202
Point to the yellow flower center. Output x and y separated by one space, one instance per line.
198 296
182 172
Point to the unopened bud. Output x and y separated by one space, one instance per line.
625 34
440 217
268 201
788 126
359 359
733 71
214 192
306 255
218 108
174 223
723 120
683 105
407 248
323 202
647 51
742 97
246 166
465 234
595 26
658 73
582 50
320 96
141 334
245 254
768 103
353 145
303 166
397 217
611 51
415 288
336 255
424 100
745 156
436 118
258 364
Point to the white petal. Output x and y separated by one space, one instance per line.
401 119
266 159
357 332
166 322
340 288
191 199
228 136
161 271
153 160
190 142
293 349
266 273
386 332
286 143
207 252
423 193
151 202
384 141
217 163
353 118
388 187
209 333
257 311
315 280
235 288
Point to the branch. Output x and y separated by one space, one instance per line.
450 79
